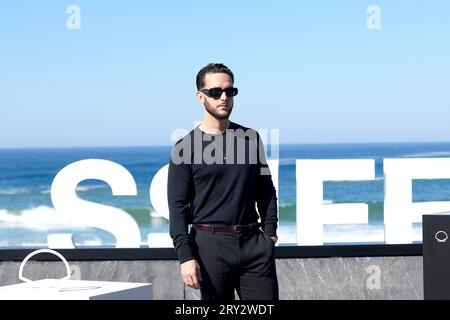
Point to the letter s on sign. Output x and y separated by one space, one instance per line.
66 202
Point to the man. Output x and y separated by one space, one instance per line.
217 173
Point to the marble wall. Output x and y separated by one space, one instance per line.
315 278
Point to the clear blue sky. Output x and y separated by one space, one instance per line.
310 68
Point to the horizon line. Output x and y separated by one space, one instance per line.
171 145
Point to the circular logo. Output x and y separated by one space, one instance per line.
441 236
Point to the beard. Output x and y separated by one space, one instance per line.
219 115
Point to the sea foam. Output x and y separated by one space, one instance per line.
40 218
9 192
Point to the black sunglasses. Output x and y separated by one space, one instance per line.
217 92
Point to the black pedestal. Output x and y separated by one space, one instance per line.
436 256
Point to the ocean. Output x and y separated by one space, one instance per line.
27 215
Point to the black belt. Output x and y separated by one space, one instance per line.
221 228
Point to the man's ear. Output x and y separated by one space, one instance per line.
200 97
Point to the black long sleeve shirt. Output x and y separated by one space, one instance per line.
203 187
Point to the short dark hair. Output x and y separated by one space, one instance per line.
212 68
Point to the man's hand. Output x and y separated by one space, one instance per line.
190 273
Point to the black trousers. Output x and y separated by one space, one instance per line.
244 262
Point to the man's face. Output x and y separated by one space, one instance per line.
219 108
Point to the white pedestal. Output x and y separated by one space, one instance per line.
52 289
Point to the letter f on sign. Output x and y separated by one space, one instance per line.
312 214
